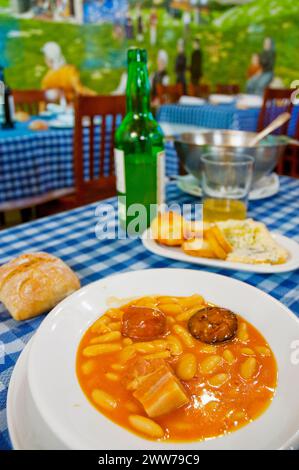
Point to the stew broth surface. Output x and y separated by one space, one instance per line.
227 385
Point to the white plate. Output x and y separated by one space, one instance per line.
266 187
249 101
78 425
16 403
191 101
56 124
27 430
178 254
217 98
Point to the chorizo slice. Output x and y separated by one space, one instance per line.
213 325
143 323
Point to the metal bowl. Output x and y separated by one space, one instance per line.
191 146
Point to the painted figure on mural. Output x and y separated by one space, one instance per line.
129 27
160 76
262 79
181 65
140 27
153 22
196 63
61 75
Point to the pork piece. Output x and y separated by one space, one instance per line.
213 325
143 323
158 389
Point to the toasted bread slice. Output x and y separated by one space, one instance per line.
214 244
221 239
168 229
193 229
252 243
198 247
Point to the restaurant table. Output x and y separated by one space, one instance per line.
71 236
35 163
221 116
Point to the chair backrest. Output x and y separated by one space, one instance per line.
203 90
95 118
296 136
169 93
289 162
227 89
276 101
29 101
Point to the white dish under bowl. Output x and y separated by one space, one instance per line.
266 187
27 430
61 415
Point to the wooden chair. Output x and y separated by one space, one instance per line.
276 101
94 176
289 163
228 89
170 93
100 184
30 101
203 90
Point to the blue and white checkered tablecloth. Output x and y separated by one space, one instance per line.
223 116
33 163
71 236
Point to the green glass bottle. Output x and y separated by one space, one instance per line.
139 147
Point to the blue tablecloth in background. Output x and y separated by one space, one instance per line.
33 163
222 116
71 236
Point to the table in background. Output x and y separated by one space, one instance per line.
71 236
222 116
34 163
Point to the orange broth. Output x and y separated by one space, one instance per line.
213 409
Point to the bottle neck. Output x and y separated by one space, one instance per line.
138 88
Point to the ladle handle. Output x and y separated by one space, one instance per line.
278 122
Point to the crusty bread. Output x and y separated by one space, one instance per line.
38 125
217 242
168 228
251 242
34 283
198 247
22 116
221 239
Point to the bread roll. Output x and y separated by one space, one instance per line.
198 247
22 116
168 228
38 125
34 283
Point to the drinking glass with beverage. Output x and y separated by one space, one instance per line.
226 182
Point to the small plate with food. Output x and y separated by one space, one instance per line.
241 245
163 359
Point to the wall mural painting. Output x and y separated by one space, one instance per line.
187 41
